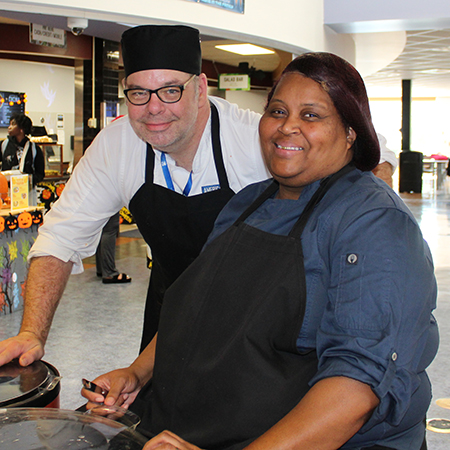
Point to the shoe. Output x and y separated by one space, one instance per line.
124 278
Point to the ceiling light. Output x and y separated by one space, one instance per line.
245 49
435 71
440 49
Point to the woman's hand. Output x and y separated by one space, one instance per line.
169 441
121 385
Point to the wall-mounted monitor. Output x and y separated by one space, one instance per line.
11 103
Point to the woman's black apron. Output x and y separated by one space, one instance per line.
175 227
227 365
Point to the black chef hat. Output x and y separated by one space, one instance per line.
175 47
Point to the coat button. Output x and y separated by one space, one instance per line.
352 258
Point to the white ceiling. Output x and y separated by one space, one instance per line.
425 58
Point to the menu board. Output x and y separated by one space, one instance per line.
230 5
19 192
10 103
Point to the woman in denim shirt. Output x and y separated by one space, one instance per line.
307 321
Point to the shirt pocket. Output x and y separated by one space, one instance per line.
363 293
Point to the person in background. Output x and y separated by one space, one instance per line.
388 162
174 161
19 153
105 256
306 322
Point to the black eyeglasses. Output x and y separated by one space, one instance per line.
167 94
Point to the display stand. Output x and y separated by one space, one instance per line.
19 223
18 231
54 163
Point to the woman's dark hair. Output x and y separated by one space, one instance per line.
346 89
23 122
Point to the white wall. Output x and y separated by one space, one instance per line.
50 91
374 51
253 100
430 132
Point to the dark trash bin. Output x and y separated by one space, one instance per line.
410 172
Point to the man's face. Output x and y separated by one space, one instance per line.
168 127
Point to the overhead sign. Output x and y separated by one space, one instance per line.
234 82
230 5
47 36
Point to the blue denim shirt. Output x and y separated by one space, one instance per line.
370 294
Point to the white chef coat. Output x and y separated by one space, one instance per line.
113 169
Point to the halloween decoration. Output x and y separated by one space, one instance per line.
24 219
37 217
11 223
4 189
59 188
47 195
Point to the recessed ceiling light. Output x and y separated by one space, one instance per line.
245 49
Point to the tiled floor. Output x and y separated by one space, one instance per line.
97 327
432 211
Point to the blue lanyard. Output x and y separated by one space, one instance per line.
168 178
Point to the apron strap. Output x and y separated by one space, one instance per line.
297 229
269 192
149 164
324 187
217 148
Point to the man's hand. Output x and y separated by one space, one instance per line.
47 277
385 172
169 441
26 346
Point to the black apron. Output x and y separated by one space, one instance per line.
175 227
227 364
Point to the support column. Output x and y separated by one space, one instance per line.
106 88
78 137
406 115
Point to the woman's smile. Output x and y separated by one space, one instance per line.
290 148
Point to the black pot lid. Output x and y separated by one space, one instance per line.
17 381
58 429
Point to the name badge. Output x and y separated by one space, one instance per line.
212 187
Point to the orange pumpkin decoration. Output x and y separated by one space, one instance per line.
4 189
3 184
24 219
2 224
47 194
60 188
